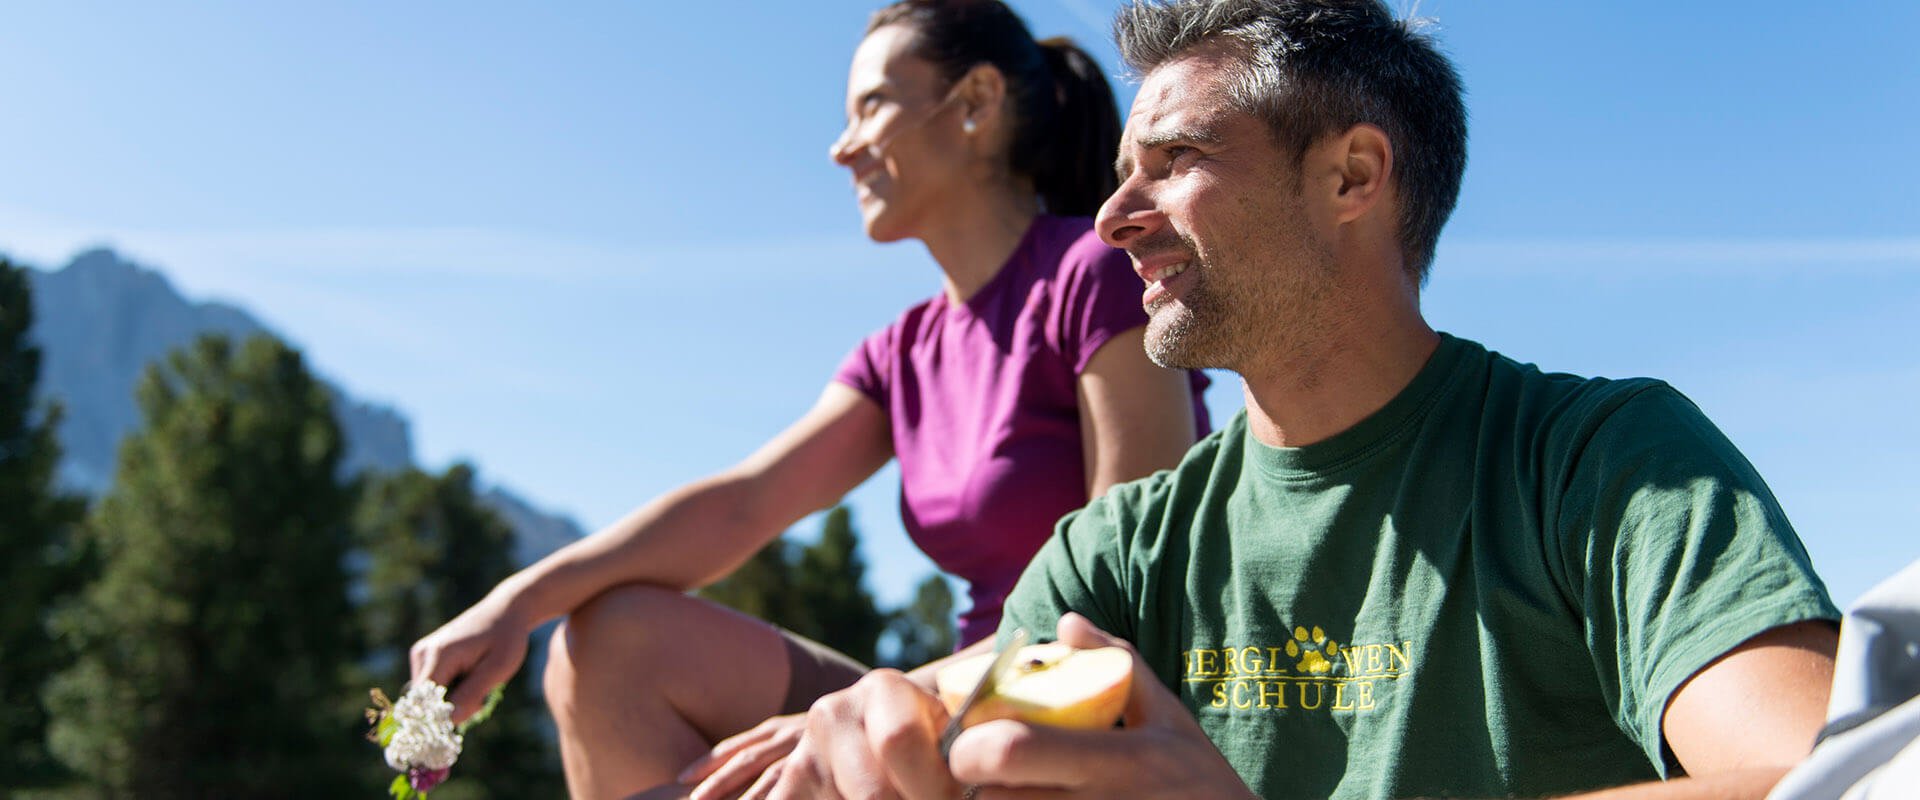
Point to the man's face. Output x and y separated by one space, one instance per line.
1211 210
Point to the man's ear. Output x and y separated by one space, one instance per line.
1362 161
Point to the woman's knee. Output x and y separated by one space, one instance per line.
727 669
632 627
614 635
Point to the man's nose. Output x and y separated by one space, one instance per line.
1128 215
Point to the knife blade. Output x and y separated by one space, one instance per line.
1002 661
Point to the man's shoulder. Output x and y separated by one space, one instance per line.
1569 430
1529 377
1572 403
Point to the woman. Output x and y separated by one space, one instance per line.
1010 397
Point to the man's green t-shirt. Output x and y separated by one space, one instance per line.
1490 587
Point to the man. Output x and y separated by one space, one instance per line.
1412 567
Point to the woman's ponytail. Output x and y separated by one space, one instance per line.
1074 174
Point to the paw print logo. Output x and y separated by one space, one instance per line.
1315 651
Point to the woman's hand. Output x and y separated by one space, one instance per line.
737 761
472 653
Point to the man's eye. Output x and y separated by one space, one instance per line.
1175 157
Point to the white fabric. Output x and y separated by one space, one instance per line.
1871 747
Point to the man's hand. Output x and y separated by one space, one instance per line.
743 758
1160 751
878 738
471 654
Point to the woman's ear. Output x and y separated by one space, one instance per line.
982 93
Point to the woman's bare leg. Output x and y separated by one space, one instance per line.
642 680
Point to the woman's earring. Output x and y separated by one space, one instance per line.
966 124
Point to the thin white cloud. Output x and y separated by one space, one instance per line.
1628 258
216 262
211 261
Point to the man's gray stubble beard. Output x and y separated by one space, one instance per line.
1191 336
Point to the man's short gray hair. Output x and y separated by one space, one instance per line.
1312 68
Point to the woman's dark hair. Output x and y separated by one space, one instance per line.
1066 125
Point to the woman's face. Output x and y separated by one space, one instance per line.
904 140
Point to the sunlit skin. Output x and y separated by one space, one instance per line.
1286 271
892 145
919 173
1227 211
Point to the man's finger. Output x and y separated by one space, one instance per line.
1028 793
763 788
701 767
843 757
1009 753
800 778
853 769
1149 702
1078 631
738 771
903 724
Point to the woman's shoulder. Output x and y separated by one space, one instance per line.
1070 248
1076 243
909 325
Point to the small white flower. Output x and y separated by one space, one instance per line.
425 736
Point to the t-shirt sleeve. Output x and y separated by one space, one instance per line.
1678 552
1100 298
867 368
1077 570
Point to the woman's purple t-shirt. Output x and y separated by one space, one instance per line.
982 401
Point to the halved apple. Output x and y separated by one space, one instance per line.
1048 684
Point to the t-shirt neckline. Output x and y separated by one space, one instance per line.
1369 435
1000 278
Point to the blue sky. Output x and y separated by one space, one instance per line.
598 248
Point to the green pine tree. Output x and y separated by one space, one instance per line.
763 587
38 563
817 590
924 629
830 579
215 644
431 550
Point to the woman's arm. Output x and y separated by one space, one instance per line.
1136 417
683 539
699 533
